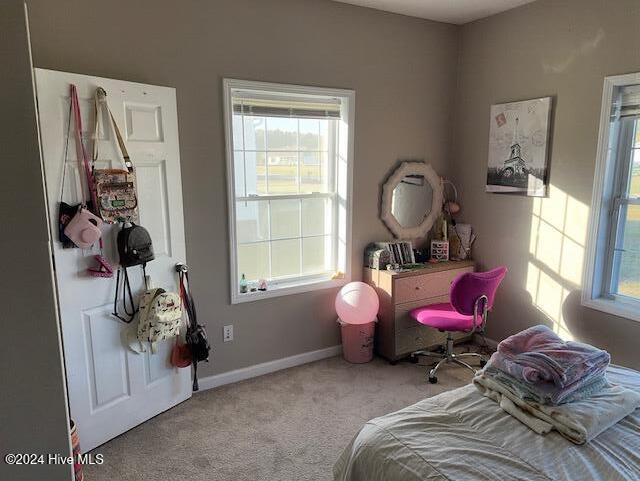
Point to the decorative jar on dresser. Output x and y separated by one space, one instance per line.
397 334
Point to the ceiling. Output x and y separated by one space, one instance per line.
449 11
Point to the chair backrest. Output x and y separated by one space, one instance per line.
468 287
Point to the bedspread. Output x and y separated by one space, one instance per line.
462 436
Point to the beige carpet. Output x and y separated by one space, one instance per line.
289 425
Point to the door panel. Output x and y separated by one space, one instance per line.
154 209
108 374
112 388
144 122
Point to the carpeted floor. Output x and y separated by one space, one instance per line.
289 425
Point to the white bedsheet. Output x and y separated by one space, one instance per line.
462 436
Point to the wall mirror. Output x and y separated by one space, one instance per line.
411 200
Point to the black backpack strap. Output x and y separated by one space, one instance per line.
187 299
195 386
192 325
126 290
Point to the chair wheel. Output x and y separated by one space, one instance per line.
414 359
483 363
433 379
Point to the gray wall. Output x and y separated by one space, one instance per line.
33 409
564 49
402 69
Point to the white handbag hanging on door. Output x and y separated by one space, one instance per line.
159 317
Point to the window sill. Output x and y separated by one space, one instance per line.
627 309
295 287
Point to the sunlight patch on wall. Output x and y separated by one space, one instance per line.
556 248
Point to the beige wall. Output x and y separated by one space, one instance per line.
403 72
32 392
564 49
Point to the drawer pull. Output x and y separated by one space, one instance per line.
417 288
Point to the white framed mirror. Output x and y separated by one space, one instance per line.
411 200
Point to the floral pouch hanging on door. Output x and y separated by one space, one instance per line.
116 195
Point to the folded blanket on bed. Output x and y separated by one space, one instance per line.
546 392
578 421
538 355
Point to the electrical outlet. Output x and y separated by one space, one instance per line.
227 333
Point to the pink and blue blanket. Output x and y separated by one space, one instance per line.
541 367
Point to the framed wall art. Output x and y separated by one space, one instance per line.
518 147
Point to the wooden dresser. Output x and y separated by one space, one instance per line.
397 334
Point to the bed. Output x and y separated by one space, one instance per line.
462 436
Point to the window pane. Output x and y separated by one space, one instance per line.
316 218
238 172
282 232
253 261
309 134
313 172
254 132
252 221
282 133
315 254
285 218
324 133
237 132
283 172
285 258
629 277
256 173
634 184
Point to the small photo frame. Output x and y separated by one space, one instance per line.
439 251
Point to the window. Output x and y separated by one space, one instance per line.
613 266
289 159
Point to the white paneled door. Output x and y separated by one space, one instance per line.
111 387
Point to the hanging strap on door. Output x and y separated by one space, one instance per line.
66 152
100 103
126 290
81 152
187 299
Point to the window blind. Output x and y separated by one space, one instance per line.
253 105
627 102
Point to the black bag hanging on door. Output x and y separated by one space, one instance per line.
196 337
134 246
135 249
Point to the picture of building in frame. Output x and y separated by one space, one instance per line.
518 147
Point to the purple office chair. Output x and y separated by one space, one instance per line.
471 295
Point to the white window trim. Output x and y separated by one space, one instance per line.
593 273
299 285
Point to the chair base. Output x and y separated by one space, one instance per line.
448 356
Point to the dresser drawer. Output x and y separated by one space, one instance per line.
402 317
414 288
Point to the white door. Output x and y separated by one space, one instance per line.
112 388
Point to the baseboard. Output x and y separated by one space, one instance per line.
477 338
236 375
